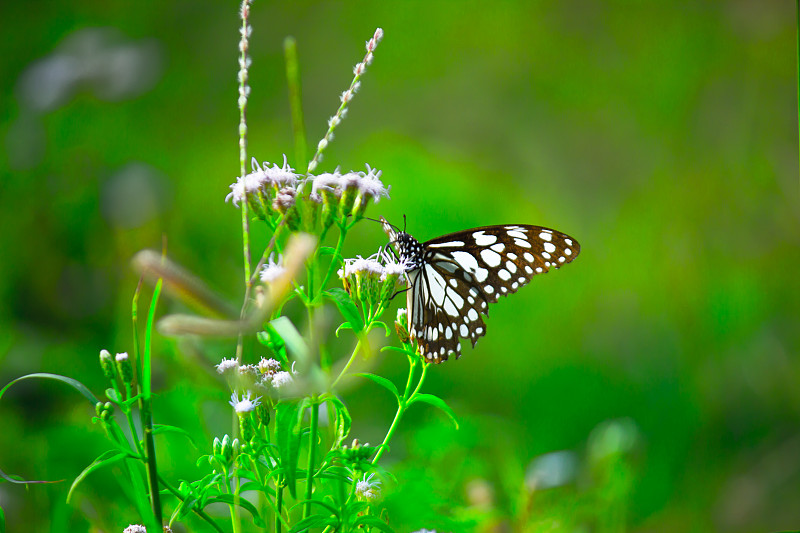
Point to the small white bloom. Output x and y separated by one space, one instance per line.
122 357
368 490
402 315
371 184
260 178
281 379
268 366
272 270
247 369
227 365
135 528
245 405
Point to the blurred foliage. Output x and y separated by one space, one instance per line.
662 135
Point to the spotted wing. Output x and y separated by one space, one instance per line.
461 273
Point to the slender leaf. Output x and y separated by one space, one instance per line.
105 459
346 307
436 402
343 420
383 382
315 520
287 435
77 385
373 521
241 502
292 338
162 428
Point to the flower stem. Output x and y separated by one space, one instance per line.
312 447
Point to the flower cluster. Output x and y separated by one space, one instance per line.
267 374
368 490
373 280
266 189
272 190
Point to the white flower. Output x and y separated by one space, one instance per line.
272 270
245 405
226 365
122 357
331 181
368 490
371 184
260 178
402 315
135 528
268 366
281 379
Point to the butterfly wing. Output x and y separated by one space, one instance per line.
461 273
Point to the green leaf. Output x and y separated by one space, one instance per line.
327 250
294 341
436 402
111 394
373 521
162 428
383 325
105 459
346 307
241 502
288 437
2 521
315 520
77 385
345 325
343 419
383 382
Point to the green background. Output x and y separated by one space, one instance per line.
662 135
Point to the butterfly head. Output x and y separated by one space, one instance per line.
408 248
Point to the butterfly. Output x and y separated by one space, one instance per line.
452 279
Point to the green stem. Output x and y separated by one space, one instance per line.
402 405
798 67
349 362
334 264
279 490
146 413
312 447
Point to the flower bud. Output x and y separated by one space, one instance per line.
401 326
124 367
107 364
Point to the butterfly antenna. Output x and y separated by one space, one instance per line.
404 223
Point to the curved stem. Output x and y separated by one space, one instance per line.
347 366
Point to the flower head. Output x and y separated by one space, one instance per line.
135 528
268 366
245 405
368 490
272 270
281 379
122 357
227 365
264 179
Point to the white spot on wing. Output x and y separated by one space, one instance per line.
491 257
466 260
451 244
473 315
550 247
504 274
518 235
545 235
481 274
481 239
511 266
499 247
521 243
464 331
